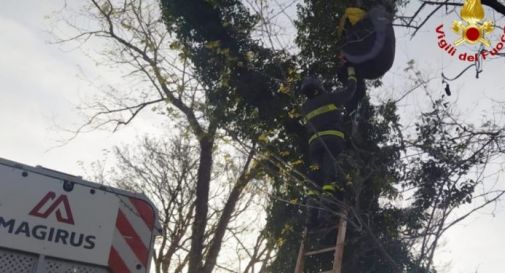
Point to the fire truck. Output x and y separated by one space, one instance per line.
52 222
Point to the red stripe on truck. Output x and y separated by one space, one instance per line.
132 238
145 210
116 264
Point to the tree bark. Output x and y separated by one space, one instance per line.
195 264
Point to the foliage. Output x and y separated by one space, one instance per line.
386 237
401 186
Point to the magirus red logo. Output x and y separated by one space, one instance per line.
50 204
473 30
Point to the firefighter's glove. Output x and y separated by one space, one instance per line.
346 73
351 73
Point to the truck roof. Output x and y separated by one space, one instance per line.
55 217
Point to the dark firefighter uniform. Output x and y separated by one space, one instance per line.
369 48
323 117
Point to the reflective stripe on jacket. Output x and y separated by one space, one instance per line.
319 111
329 113
326 133
323 114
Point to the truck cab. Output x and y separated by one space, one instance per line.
52 222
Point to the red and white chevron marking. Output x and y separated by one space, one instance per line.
132 238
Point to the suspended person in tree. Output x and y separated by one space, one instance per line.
323 115
368 44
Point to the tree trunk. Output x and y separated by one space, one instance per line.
195 264
217 240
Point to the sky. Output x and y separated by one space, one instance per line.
42 84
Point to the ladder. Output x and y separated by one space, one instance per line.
338 248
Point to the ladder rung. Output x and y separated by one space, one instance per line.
314 252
